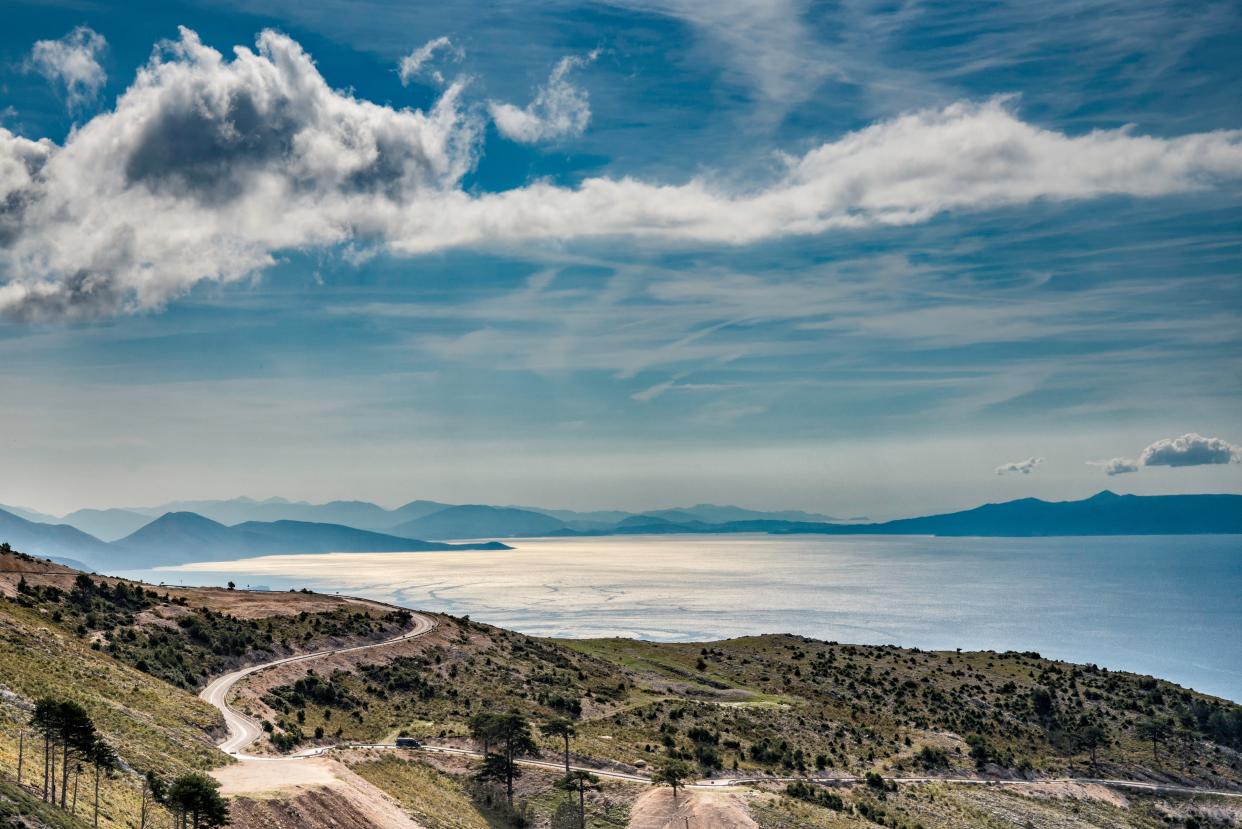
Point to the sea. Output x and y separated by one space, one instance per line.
1170 606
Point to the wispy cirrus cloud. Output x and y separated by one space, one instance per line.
559 109
118 220
73 63
768 46
421 62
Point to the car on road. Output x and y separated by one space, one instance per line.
408 742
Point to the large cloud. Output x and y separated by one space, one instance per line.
559 110
204 170
72 61
208 168
1190 450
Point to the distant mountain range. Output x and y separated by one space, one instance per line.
116 523
183 535
180 537
1105 513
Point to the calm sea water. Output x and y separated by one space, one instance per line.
1169 606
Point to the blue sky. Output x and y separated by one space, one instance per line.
861 258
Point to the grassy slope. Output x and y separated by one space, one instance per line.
152 725
20 808
766 704
51 644
940 806
435 799
185 637
862 708
446 798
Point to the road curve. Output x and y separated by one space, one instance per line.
242 729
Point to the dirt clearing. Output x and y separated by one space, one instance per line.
309 792
656 809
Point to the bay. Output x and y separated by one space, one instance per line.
1167 606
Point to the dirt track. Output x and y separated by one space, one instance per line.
307 793
656 809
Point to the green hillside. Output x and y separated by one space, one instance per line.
757 707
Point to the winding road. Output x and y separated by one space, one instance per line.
243 731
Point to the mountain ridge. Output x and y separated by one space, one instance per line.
189 536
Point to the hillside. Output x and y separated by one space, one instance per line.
776 706
131 656
762 707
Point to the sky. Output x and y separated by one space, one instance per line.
858 258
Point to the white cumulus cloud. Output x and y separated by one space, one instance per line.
209 167
72 61
1025 467
559 109
1116 466
1190 450
419 62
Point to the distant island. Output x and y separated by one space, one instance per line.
220 530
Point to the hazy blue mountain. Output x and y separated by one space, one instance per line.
31 514
1105 513
478 521
413 510
360 514
107 524
49 540
638 521
706 513
181 537
675 516
600 518
716 514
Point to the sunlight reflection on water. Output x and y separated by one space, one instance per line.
1169 606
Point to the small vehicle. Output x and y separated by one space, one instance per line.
408 742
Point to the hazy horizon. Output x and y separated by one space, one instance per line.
393 504
619 255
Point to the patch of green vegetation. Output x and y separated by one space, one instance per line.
435 799
20 809
162 635
784 705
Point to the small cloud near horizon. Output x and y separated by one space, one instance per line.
1025 467
1191 449
1116 466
